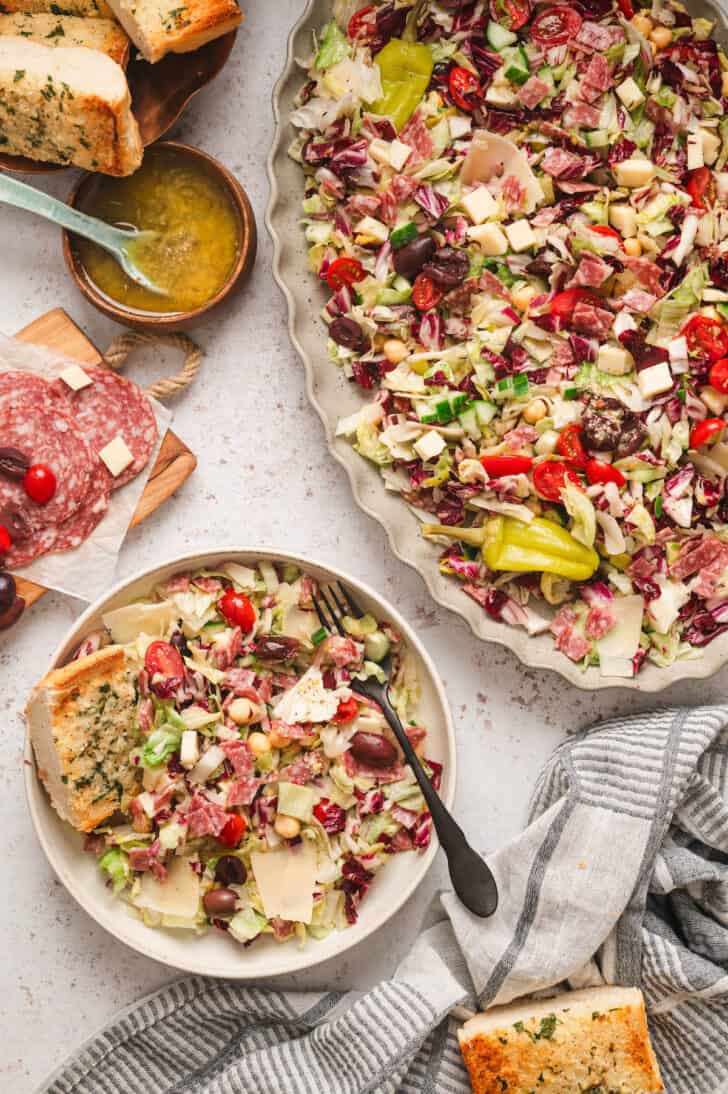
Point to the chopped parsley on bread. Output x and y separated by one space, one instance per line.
176 26
593 1041
67 106
105 35
91 9
82 724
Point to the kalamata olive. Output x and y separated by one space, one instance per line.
179 642
347 333
409 260
13 614
600 432
276 649
448 268
220 901
16 521
631 438
230 870
373 750
13 463
7 590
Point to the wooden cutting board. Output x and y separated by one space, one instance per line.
175 462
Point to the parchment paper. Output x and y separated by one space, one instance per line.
89 570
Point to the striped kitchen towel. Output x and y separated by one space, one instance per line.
622 875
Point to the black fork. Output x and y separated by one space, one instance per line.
471 877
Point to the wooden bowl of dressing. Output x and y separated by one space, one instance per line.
209 231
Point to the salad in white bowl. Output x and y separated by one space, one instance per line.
206 739
520 213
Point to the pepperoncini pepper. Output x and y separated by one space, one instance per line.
406 69
541 546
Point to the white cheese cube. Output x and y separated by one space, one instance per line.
695 151
379 150
490 239
716 403
677 350
372 228
623 321
711 145
399 153
624 219
459 126
615 360
630 94
654 380
76 378
705 232
429 445
116 456
500 95
189 752
634 173
480 205
520 235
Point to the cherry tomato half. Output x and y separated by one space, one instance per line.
597 471
362 23
237 609
162 659
626 8
233 831
347 710
605 230
555 26
39 483
707 337
707 432
701 187
551 477
425 293
465 89
5 541
344 271
719 376
570 447
516 12
497 466
563 304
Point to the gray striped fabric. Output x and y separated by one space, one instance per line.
622 875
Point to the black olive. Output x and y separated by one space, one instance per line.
179 642
13 614
347 333
448 268
230 871
409 259
16 521
631 438
276 649
7 591
600 432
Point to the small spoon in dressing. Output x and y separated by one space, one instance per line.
118 242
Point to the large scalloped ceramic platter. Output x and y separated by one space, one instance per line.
333 397
213 954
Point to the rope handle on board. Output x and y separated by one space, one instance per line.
125 344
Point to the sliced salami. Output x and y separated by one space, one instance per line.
112 406
20 388
47 436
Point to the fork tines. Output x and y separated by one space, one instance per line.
335 602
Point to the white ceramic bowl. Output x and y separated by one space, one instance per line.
334 397
213 954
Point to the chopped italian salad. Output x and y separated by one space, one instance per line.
268 794
520 212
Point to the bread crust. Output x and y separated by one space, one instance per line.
157 31
69 30
91 9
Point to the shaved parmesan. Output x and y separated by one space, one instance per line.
286 879
178 895
491 155
309 700
126 624
622 641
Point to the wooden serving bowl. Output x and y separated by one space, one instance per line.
170 321
159 95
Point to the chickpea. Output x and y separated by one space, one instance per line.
395 350
259 743
535 411
244 711
287 827
632 247
642 23
661 37
278 741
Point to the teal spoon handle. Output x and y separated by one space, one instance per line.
13 192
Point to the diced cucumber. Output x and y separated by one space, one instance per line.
458 402
498 37
403 235
515 65
597 138
443 410
485 412
424 411
469 421
545 73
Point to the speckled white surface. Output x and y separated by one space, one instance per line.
264 475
